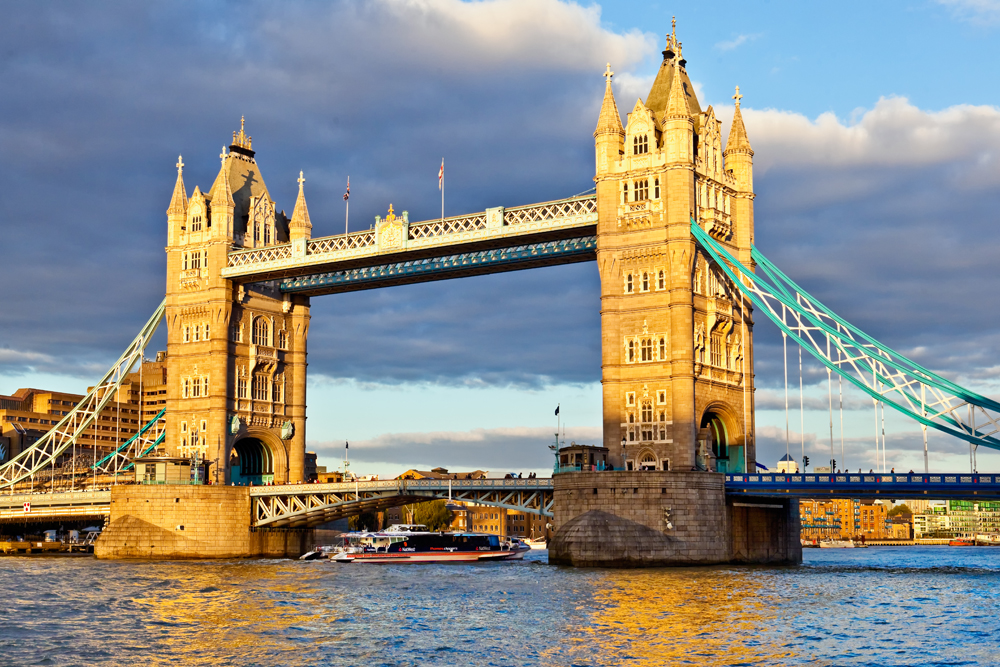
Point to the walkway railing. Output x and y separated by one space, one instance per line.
855 485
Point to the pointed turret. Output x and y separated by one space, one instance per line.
222 200
678 122
738 132
178 208
609 137
738 155
610 121
178 202
677 104
300 227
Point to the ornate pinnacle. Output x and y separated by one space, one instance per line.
737 96
222 156
180 164
608 74
301 180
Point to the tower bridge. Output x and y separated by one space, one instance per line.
670 227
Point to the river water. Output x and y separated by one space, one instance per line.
878 606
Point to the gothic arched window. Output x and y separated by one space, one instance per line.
625 192
640 144
647 349
645 281
656 188
663 348
628 284
660 281
261 331
283 339
631 351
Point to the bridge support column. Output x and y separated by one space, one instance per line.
660 518
175 521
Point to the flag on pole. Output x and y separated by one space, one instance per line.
346 445
557 411
441 175
347 195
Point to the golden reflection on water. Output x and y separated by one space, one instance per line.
700 616
206 614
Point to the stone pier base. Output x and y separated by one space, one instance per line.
174 521
658 518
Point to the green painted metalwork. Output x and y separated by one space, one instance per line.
123 450
873 367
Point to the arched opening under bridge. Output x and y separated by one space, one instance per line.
251 462
726 448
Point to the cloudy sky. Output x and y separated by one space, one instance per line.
876 128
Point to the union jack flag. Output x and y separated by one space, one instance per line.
441 175
347 195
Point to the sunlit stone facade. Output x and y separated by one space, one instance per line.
677 338
236 386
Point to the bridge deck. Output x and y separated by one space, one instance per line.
872 485
490 241
73 505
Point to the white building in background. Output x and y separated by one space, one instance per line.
788 465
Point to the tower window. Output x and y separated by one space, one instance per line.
663 348
631 351
647 349
197 333
716 350
628 284
204 387
283 339
259 388
656 188
642 190
187 334
196 223
625 193
186 388
645 281
661 283
185 262
261 331
241 388
640 144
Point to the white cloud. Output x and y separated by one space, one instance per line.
894 133
736 42
975 11
463 36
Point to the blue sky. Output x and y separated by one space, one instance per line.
876 128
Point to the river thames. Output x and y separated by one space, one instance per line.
884 606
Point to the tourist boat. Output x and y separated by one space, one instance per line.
988 540
411 543
537 543
837 544
961 542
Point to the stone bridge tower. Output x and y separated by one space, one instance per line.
676 336
236 353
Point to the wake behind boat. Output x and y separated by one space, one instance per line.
414 543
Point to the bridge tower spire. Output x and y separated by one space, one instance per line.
673 332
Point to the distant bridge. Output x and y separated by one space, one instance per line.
46 507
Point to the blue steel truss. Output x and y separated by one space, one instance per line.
873 367
870 485
563 251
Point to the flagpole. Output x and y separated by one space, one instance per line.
442 188
347 205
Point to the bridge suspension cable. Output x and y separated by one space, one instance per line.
884 374
44 453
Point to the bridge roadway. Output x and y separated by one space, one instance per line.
398 252
307 505
44 507
938 486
